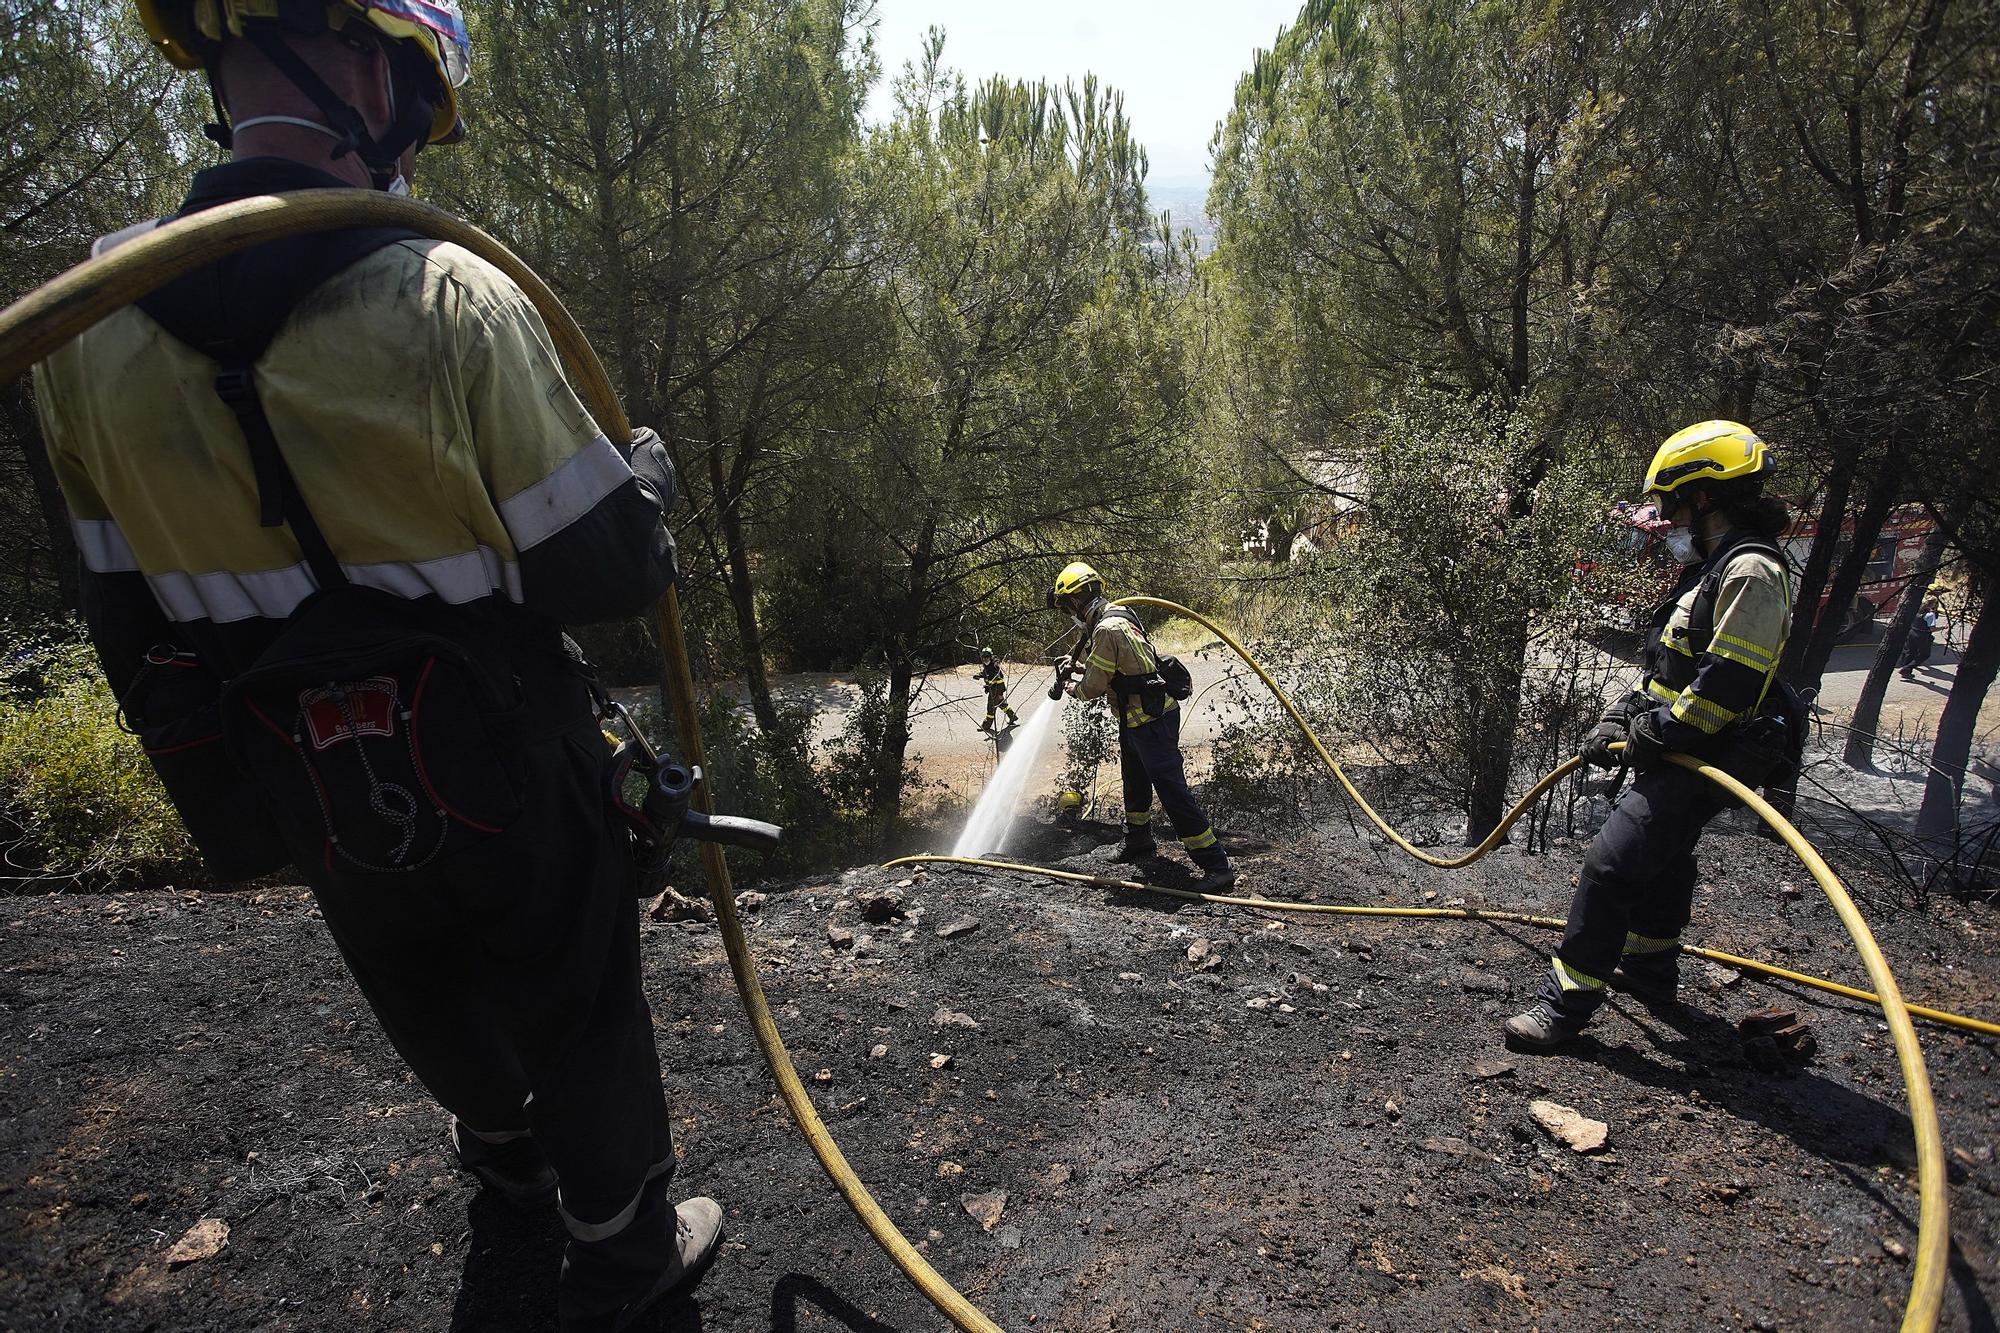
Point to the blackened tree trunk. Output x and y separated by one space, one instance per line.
887 797
1491 762
1826 540
727 489
1939 812
1883 492
1861 727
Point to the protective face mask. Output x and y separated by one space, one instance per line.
1681 546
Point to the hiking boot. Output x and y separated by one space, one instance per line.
987 725
697 1233
1138 847
514 1167
1544 1025
1649 978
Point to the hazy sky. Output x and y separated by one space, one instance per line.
1176 61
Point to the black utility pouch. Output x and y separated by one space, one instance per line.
381 745
1756 754
174 707
1175 676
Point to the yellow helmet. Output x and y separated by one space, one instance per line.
1706 452
1069 802
1076 577
187 32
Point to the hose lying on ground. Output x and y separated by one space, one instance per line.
1944 1017
1933 1224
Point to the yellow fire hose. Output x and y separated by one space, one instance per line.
1933 1222
53 314
1943 1017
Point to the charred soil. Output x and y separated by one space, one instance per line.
1091 1111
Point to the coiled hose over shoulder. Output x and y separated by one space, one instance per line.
1920 1314
53 314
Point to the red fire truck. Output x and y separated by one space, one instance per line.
1891 562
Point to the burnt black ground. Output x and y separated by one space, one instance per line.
1172 1158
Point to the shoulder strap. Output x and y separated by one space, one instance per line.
1130 617
230 311
1701 616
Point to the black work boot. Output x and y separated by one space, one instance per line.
514 1166
1652 978
1139 845
1554 1017
1216 872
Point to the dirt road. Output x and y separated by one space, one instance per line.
948 747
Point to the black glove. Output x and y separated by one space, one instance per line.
1643 746
1596 750
651 465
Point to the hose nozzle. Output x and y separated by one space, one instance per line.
653 793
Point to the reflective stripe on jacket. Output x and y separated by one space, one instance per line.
1710 691
1118 647
418 400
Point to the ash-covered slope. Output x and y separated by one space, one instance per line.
1091 1110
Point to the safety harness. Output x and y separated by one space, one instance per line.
1169 677
1767 744
233 319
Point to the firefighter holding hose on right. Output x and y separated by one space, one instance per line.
1710 690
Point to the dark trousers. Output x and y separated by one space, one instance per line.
1916 649
1636 889
509 981
1149 760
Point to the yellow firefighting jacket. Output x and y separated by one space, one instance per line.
1703 694
418 401
1118 647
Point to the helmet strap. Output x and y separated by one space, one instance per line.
218 130
299 121
1698 526
410 115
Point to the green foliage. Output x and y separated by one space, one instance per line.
858 762
99 133
816 790
1451 616
625 652
1089 741
769 774
78 799
1024 373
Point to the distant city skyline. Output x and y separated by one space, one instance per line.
1176 61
